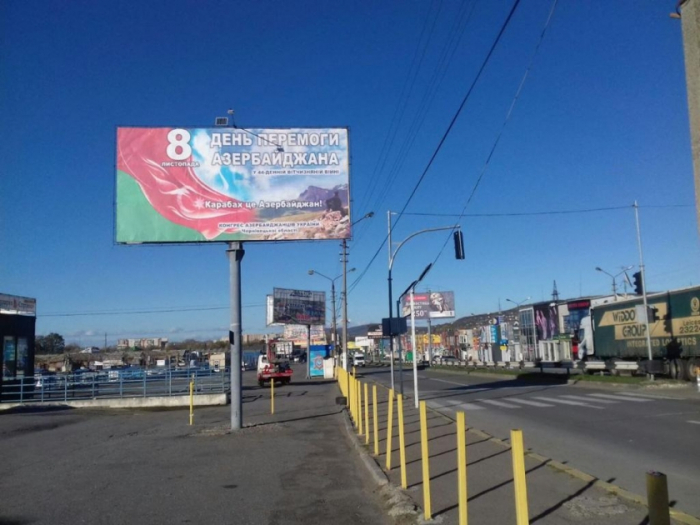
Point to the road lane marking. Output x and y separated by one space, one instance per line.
454 404
693 422
603 401
621 398
497 403
467 406
567 402
531 403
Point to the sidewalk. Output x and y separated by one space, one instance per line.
149 466
554 497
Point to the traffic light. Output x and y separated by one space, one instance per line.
668 324
459 244
653 314
638 286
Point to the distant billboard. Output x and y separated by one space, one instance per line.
298 333
230 184
546 321
298 307
433 305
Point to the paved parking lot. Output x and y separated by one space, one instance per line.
149 466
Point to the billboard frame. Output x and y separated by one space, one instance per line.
346 181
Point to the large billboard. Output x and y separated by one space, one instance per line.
298 307
433 305
231 184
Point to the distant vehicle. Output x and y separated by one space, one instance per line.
358 360
270 368
617 331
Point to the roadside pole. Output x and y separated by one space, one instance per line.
430 339
644 287
415 353
235 255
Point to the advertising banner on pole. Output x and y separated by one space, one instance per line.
298 307
298 334
178 185
433 305
317 354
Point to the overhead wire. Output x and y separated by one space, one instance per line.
443 138
509 114
441 67
404 96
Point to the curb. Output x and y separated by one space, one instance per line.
400 505
378 475
679 516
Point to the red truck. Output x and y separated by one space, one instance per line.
272 368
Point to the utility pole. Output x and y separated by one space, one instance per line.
334 328
345 305
644 287
689 13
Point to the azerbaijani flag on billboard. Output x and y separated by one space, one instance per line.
231 184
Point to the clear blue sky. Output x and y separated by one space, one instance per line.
601 121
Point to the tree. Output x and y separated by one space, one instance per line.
50 344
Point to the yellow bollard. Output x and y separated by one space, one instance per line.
375 420
272 395
657 499
359 407
462 468
367 414
191 400
402 442
518 451
425 460
389 429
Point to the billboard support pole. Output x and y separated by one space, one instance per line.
430 339
413 347
644 285
235 255
399 314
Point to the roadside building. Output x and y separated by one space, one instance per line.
18 334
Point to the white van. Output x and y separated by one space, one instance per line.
358 360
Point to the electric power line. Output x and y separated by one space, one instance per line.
444 137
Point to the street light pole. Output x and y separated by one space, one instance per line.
614 277
644 287
392 258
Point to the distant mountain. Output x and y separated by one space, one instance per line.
314 193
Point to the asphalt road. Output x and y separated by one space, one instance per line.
616 434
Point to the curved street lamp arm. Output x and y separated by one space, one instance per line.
393 257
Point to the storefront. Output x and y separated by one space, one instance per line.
17 333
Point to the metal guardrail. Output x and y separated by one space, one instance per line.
113 384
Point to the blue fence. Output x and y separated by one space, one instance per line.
119 383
